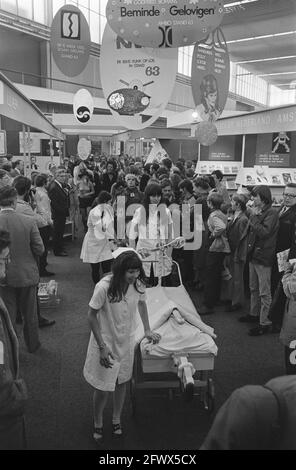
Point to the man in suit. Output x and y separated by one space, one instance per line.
110 177
19 289
59 198
13 393
286 236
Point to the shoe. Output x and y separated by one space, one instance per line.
98 435
61 253
260 330
206 311
233 308
248 319
44 322
117 430
46 274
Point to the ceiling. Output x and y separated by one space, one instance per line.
263 18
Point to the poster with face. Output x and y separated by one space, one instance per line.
84 148
164 23
83 106
136 80
70 41
210 76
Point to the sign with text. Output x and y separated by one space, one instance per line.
260 122
136 80
83 106
210 76
220 156
274 160
31 144
70 41
164 23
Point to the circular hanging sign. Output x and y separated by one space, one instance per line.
210 76
70 41
164 23
206 133
136 80
84 148
83 106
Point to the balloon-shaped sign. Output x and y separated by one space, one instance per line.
83 106
210 76
206 133
84 148
164 23
70 41
136 79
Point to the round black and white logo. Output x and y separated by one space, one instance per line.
83 114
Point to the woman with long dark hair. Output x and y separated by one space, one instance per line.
152 225
112 317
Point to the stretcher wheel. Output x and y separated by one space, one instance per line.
210 396
133 396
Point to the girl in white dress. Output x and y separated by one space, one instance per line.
152 225
113 319
98 241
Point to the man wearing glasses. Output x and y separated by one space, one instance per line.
286 240
287 225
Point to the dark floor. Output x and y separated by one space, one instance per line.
59 412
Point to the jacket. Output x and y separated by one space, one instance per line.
287 231
13 394
288 331
59 201
262 236
26 245
217 224
237 237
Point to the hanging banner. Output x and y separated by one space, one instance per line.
83 106
157 153
206 133
84 148
136 79
164 23
70 41
210 76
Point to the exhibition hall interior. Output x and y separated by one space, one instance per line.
121 116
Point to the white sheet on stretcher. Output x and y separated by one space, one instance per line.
194 336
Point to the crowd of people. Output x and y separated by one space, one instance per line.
124 202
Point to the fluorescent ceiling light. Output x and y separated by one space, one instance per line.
234 4
266 59
265 36
276 73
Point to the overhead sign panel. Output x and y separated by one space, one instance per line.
70 41
136 79
210 76
164 23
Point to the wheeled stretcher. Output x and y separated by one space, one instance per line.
184 358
